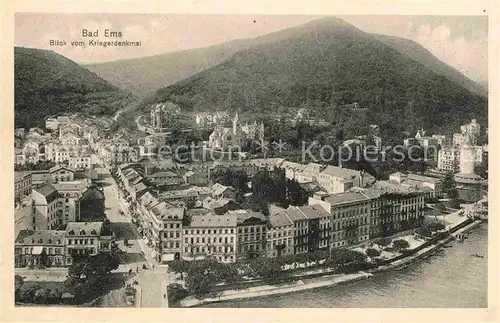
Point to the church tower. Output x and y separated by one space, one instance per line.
235 124
260 132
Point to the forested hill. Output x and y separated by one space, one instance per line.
420 54
329 62
47 83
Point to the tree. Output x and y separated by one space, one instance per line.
18 282
453 193
76 269
179 266
295 194
383 242
400 244
44 259
371 252
41 295
449 184
199 284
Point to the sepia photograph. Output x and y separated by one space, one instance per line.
250 161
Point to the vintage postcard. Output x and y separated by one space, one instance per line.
220 160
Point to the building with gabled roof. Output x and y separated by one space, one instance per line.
86 239
43 248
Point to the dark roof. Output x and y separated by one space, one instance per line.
84 228
93 193
48 191
41 237
314 211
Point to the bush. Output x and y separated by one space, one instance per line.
383 242
371 252
400 244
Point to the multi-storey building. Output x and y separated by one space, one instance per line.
312 228
252 227
81 162
300 230
350 214
86 239
280 235
211 235
433 185
22 185
338 180
70 194
171 234
394 207
30 245
45 212
449 157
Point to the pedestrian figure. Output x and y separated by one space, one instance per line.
153 267
164 296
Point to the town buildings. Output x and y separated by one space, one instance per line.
86 238
394 207
22 185
280 235
211 235
31 247
350 213
251 237
209 119
235 137
163 115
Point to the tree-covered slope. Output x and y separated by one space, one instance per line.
423 56
47 83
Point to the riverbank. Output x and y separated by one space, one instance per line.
329 280
266 290
427 251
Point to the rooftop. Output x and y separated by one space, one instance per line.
313 211
345 198
44 237
84 228
48 191
279 220
212 220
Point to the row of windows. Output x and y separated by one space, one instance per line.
171 234
209 240
209 231
251 248
80 241
251 237
251 229
208 250
350 213
171 244
50 251
278 234
274 243
172 225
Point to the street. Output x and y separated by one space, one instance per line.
153 281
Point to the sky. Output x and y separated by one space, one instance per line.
460 41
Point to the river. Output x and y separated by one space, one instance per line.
452 278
